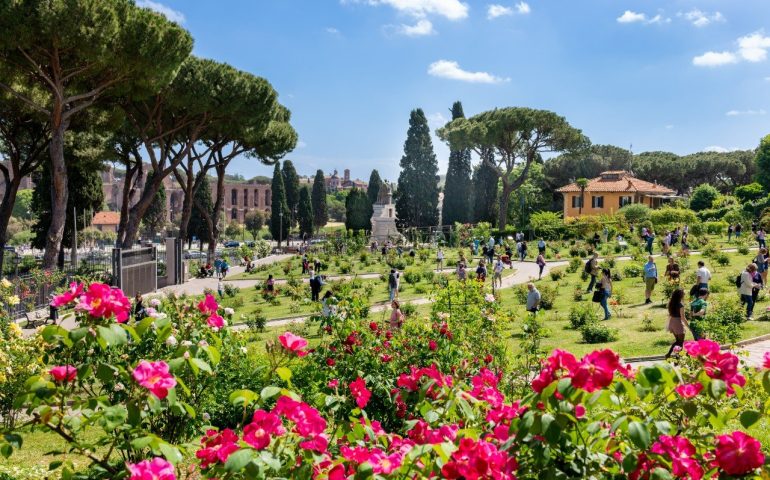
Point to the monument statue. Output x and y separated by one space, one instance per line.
384 216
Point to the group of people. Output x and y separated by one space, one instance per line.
221 268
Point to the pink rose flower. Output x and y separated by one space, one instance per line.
293 343
103 301
216 447
689 390
766 360
432 345
307 421
738 453
68 296
208 305
333 383
359 392
596 370
682 454
155 377
263 426
64 373
155 469
580 411
215 321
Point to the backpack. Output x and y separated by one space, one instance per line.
738 280
587 268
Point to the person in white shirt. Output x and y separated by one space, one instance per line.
440 259
497 280
703 275
746 287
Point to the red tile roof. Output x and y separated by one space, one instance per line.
619 181
106 218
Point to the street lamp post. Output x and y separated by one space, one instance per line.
280 228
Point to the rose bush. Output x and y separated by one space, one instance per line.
432 399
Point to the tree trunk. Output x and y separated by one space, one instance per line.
137 211
59 194
505 197
6 209
214 223
127 195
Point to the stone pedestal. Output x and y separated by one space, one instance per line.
384 217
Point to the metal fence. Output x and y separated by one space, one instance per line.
135 271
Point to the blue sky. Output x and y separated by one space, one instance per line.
680 75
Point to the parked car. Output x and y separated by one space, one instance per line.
194 254
232 244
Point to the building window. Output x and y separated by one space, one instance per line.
245 197
625 201
268 201
577 202
234 196
234 214
256 198
597 202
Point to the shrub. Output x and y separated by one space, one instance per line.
557 274
520 294
596 332
724 321
635 212
722 259
633 270
581 314
715 228
256 321
743 249
231 290
547 296
577 294
617 276
345 268
647 324
575 264
412 276
408 309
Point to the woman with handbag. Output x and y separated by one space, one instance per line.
605 286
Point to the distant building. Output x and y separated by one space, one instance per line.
26 182
334 183
106 221
611 191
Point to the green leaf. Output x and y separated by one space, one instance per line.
661 474
639 435
364 471
284 374
109 337
269 392
171 453
653 374
749 418
197 365
236 461
766 381
240 398
212 353
717 388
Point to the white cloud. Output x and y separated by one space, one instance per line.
636 17
332 31
451 70
494 11
716 148
669 127
301 144
450 9
421 28
437 120
767 79
701 19
166 11
753 48
736 113
715 59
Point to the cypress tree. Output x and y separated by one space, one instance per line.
762 160
373 190
291 184
305 213
320 213
457 188
417 191
198 226
279 227
358 211
484 181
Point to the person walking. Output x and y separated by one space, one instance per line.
729 232
759 285
316 282
606 287
592 268
650 279
738 230
745 287
497 280
703 275
218 267
462 273
540 265
439 260
523 250
225 268
698 308
481 271
220 288
393 284
541 246
533 298
676 320
650 239
270 284
761 238
672 270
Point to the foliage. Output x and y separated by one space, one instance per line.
280 216
318 200
484 194
291 186
417 192
663 217
154 218
546 223
373 187
305 213
22 207
762 160
254 220
635 213
457 186
595 332
197 227
749 193
703 197
723 322
582 314
358 211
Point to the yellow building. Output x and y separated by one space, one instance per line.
609 192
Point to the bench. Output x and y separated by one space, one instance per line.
37 317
